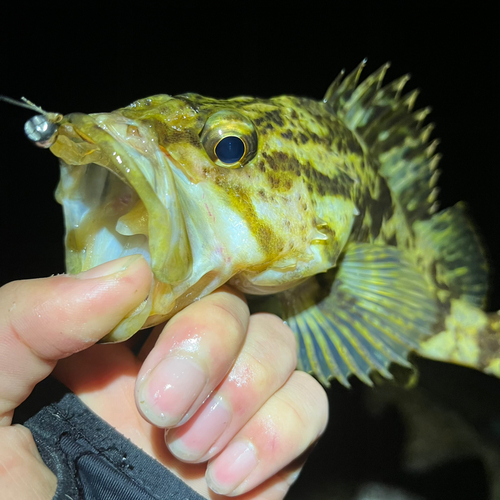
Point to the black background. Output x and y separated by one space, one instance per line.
90 58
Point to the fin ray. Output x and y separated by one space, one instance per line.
451 250
336 334
378 308
384 120
363 347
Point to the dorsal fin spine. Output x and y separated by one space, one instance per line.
394 132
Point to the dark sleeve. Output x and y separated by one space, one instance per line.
92 461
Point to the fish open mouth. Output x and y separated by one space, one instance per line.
105 218
119 198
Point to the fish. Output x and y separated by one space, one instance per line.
323 212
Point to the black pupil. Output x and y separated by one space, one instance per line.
230 149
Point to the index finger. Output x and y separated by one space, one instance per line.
47 319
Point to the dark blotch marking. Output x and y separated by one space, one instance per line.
281 166
275 117
316 138
354 146
393 241
277 161
379 209
282 162
489 347
303 138
278 176
360 232
274 180
269 120
339 185
264 234
287 135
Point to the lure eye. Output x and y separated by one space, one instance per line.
230 149
229 139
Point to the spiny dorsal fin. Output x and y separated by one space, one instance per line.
384 119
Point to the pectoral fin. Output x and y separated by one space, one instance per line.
370 312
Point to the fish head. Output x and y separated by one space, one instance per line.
207 190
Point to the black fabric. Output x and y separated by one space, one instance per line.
92 461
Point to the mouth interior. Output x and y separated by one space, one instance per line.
105 218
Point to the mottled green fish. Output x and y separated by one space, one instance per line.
322 212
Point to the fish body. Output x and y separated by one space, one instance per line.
323 212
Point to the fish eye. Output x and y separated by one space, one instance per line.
230 149
229 139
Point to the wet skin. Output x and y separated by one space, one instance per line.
216 384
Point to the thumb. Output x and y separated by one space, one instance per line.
47 319
23 472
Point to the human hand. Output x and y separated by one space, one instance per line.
261 408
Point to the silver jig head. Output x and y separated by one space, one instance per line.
40 129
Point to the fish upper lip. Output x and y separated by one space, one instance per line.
138 161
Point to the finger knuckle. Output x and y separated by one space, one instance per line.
279 338
16 436
23 434
311 398
269 352
232 313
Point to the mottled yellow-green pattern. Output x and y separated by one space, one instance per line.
328 218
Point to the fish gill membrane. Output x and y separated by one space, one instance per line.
324 213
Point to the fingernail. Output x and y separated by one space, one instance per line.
231 467
194 441
109 268
169 391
